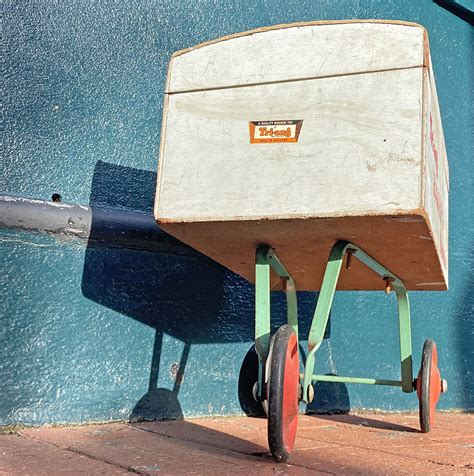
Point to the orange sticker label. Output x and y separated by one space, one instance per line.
264 132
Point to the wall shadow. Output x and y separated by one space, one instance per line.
134 268
357 420
457 9
329 398
464 318
248 375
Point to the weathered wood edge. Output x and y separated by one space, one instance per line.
161 154
296 25
419 215
374 213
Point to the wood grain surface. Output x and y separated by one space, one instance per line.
402 243
369 165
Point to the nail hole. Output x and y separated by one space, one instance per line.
55 197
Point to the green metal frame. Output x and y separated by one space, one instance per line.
267 258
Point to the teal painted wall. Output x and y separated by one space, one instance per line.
96 332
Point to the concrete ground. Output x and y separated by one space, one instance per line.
337 444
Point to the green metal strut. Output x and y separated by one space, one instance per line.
265 259
323 308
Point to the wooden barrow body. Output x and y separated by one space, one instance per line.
301 135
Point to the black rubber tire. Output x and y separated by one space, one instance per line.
275 393
424 396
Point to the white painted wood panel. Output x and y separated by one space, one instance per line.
301 51
359 150
436 179
369 164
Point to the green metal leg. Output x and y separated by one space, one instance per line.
405 337
289 286
262 313
265 259
291 305
321 315
326 295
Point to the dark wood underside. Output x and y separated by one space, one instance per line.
401 243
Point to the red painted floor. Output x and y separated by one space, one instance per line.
337 444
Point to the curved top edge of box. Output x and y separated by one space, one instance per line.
283 26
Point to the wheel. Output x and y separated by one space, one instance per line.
283 388
247 386
429 385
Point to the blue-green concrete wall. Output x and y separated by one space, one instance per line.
94 332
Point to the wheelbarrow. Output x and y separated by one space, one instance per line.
283 145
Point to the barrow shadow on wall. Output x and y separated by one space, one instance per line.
464 316
134 268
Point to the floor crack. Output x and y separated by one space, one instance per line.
265 455
79 452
